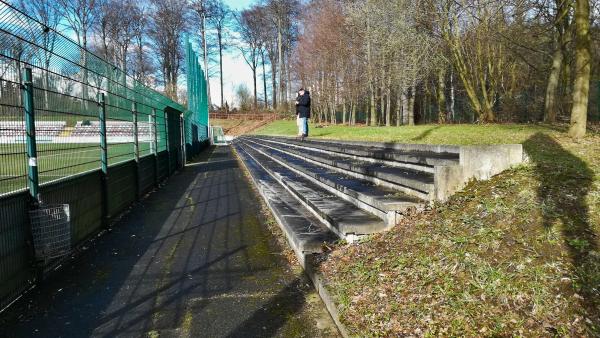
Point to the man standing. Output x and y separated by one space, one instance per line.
303 109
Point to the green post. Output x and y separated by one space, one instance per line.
136 148
155 145
103 157
168 143
183 144
32 170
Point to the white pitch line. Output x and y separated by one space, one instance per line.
67 153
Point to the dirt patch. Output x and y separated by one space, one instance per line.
233 127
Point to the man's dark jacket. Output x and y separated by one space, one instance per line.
304 105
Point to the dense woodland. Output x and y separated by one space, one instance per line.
452 61
377 62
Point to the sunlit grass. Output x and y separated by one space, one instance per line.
517 255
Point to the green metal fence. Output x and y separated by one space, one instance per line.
75 129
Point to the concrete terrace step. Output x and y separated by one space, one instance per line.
305 232
380 201
410 181
343 217
412 154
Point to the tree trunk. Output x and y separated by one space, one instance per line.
372 108
398 106
411 106
344 110
274 85
288 73
452 97
388 105
382 95
551 105
254 83
205 56
220 37
441 95
280 59
404 108
583 58
262 55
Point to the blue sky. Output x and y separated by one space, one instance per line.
239 4
235 70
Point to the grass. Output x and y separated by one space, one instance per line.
56 161
433 134
517 255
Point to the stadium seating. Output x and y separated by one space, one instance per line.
113 128
42 128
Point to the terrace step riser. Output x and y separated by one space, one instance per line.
361 201
422 157
392 160
319 203
284 207
387 209
425 195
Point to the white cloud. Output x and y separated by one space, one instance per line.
235 72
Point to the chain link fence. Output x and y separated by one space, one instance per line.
77 131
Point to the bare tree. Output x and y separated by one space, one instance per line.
203 9
143 67
282 13
169 22
268 33
81 16
251 45
119 23
583 65
219 20
561 20
48 14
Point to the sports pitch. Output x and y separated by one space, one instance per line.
56 161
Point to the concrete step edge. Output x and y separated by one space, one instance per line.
417 147
398 179
297 240
309 265
427 196
389 212
345 230
399 161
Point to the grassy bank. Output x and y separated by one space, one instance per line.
515 255
446 134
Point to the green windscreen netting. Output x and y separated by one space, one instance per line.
67 81
197 114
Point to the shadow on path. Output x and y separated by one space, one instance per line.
192 260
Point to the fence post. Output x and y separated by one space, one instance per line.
136 149
183 142
168 142
155 145
32 170
103 157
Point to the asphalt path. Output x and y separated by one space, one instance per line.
194 259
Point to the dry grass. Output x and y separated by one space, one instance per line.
236 127
517 255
